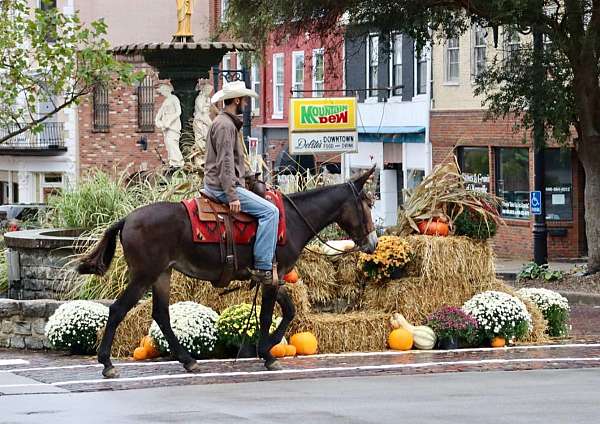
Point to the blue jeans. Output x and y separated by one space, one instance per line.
267 215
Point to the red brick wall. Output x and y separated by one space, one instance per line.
117 149
450 129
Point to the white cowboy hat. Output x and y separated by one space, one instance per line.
232 90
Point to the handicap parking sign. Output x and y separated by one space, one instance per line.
535 202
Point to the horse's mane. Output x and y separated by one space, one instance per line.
314 191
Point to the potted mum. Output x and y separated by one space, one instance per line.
553 306
388 260
453 327
501 317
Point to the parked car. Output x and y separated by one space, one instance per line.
18 216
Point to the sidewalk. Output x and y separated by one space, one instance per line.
507 267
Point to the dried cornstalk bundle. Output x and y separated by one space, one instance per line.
443 194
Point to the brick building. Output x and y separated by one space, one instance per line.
495 159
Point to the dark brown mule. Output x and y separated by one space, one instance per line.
157 239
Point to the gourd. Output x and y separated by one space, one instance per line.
424 337
433 228
291 277
278 350
305 343
290 350
139 354
400 339
498 342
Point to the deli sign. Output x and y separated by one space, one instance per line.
323 125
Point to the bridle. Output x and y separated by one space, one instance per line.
363 237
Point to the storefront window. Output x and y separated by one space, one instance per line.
559 184
512 182
475 167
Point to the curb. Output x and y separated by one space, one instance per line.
581 298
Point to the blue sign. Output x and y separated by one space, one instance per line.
535 202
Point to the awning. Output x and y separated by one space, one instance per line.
393 134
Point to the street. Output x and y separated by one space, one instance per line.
541 396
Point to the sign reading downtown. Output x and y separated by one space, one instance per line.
323 125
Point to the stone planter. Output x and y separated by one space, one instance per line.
35 262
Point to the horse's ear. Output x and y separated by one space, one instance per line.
360 180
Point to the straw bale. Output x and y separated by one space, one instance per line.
135 326
350 332
416 298
319 275
449 259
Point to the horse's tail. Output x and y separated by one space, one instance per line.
98 261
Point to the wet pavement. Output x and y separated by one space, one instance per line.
34 372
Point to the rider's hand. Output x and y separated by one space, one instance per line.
235 206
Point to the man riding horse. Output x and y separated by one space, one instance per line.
225 172
159 238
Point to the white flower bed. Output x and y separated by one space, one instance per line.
554 307
194 325
544 298
499 314
74 326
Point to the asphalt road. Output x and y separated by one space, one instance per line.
544 396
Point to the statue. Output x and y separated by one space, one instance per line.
203 116
184 18
169 122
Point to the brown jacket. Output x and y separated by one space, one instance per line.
224 167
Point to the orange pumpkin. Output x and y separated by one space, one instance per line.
151 349
498 342
144 340
433 228
290 350
291 277
139 354
278 350
400 339
305 343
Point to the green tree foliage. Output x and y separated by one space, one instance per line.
47 56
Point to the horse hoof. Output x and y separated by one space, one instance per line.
273 365
110 372
192 367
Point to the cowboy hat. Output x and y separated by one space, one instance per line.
233 90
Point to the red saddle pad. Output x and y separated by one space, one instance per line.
243 232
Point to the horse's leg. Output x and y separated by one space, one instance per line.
160 313
117 311
288 310
269 295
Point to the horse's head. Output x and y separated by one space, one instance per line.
355 214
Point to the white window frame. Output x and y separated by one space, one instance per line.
393 64
423 58
298 85
255 81
226 66
278 113
474 69
447 63
316 52
224 7
509 43
369 96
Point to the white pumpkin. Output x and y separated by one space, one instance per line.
424 337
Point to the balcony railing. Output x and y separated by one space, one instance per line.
49 140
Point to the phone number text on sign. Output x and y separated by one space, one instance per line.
333 142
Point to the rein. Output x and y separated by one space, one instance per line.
316 233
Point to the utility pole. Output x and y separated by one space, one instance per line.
540 236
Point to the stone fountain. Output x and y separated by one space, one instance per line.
183 63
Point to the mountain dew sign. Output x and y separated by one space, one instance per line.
323 125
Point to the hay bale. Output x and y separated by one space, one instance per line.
350 279
448 259
135 326
319 275
416 298
350 332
